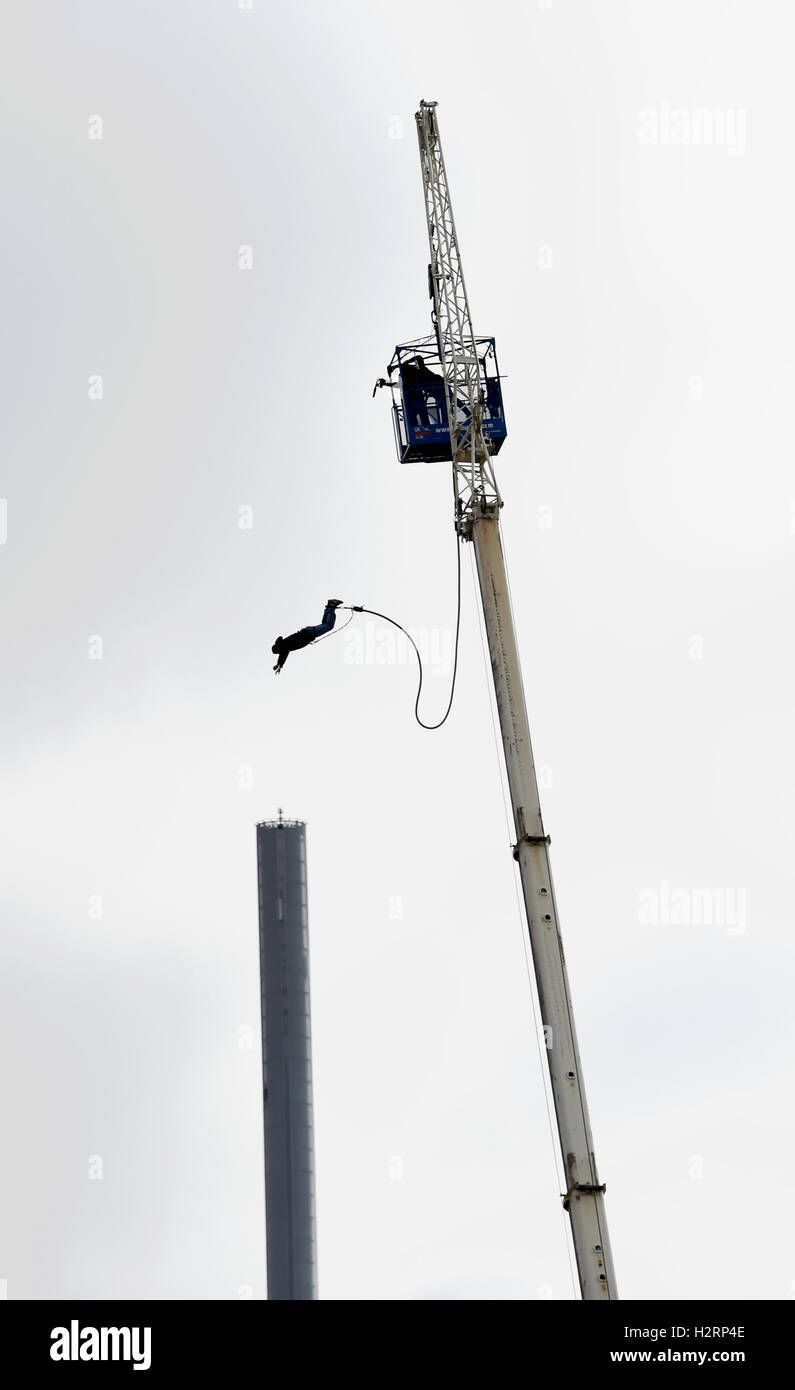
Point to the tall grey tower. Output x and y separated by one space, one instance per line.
286 1059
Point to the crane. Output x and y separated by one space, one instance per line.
458 415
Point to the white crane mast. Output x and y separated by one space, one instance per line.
477 519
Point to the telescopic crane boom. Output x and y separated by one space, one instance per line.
477 505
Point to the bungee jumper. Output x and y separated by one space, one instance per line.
305 635
302 638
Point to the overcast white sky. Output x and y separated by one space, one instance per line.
639 284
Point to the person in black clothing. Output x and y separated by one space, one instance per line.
420 385
302 638
494 397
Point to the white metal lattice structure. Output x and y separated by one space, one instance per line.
475 484
477 519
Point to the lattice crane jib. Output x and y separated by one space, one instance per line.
475 484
